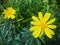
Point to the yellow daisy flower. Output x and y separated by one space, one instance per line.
42 25
9 13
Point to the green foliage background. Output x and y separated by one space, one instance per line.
16 32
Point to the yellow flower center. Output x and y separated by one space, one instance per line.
9 13
42 25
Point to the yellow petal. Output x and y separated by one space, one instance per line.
48 32
35 19
12 16
46 17
8 16
51 21
5 16
33 28
36 33
40 16
51 32
41 33
35 23
4 11
52 26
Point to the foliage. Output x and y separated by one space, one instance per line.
16 31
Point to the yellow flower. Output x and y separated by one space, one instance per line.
9 13
42 25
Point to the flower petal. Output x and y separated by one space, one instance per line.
51 21
47 16
35 23
51 32
41 33
8 16
4 11
36 33
35 19
48 32
52 26
33 28
12 16
40 16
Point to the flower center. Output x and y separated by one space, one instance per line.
42 25
9 13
